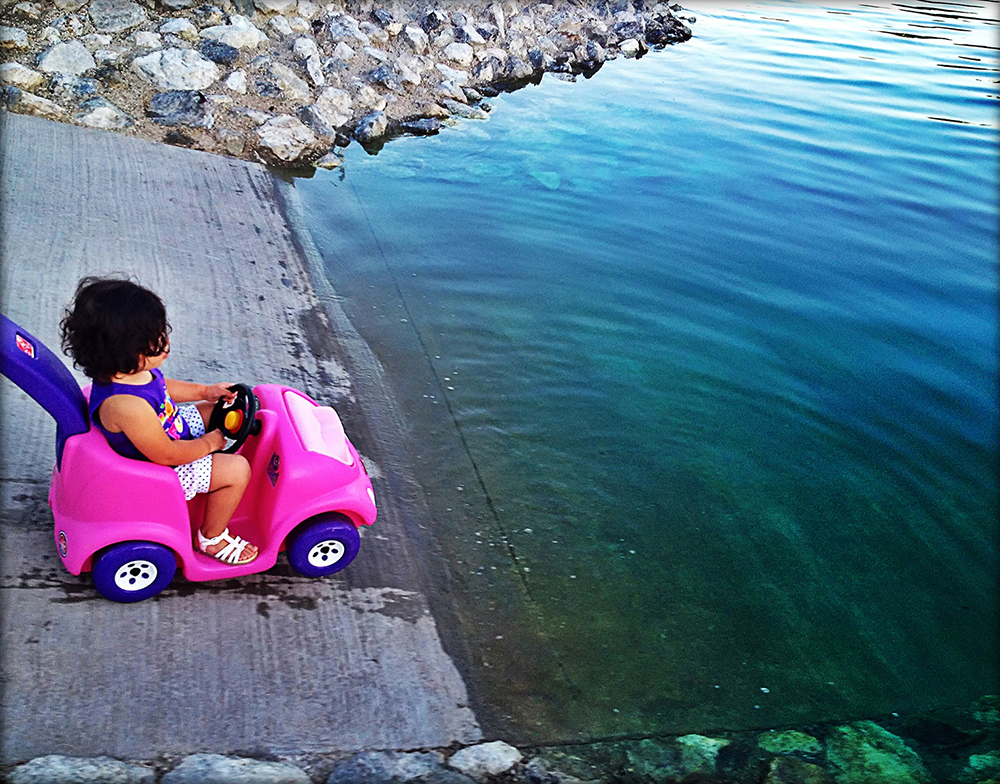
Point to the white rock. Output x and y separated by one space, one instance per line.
343 51
307 9
452 75
308 52
240 32
101 113
459 53
286 138
416 38
406 72
96 41
13 38
20 76
147 40
29 103
277 6
629 47
68 57
294 88
182 28
304 48
472 34
371 126
341 27
236 82
486 759
107 56
280 25
335 106
376 54
177 69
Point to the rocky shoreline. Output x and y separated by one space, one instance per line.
287 82
946 747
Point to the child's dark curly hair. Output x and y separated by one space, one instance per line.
111 325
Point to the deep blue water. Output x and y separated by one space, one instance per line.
717 332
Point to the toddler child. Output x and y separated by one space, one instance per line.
117 333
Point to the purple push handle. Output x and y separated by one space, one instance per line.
28 363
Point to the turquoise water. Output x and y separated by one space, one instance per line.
699 360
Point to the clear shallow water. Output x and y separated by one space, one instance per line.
700 359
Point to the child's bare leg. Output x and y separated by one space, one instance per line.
230 477
205 409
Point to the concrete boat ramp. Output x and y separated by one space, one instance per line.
263 665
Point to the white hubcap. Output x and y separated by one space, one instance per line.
135 575
326 553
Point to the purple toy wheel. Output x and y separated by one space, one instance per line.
133 571
323 545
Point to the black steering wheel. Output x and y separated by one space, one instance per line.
237 419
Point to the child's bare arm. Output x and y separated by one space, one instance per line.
188 392
134 417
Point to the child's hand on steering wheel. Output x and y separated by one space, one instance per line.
217 392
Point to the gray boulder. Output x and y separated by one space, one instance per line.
212 768
115 16
56 769
181 107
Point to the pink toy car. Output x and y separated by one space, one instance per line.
308 495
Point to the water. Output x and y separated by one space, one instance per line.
700 361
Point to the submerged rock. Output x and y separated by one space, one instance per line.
865 753
485 760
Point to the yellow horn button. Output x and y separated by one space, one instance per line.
233 421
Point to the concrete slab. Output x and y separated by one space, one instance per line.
272 663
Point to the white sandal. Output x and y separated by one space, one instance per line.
235 545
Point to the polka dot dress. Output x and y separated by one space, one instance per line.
197 476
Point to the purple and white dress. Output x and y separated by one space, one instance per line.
178 422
